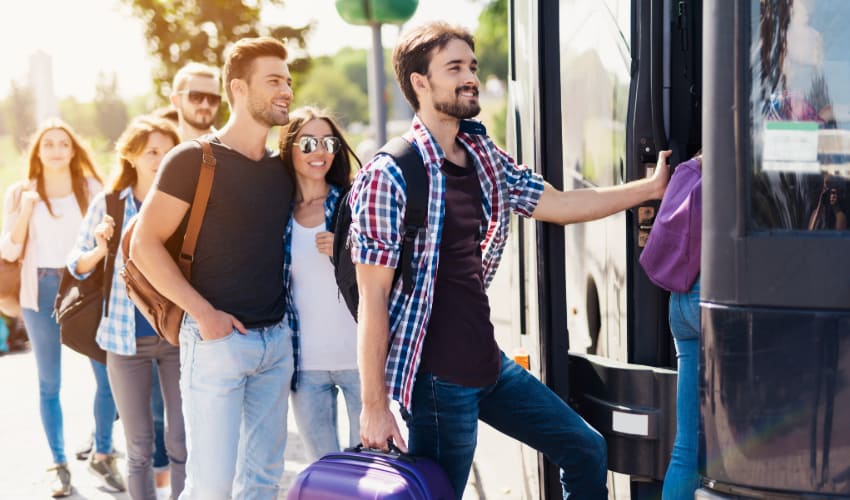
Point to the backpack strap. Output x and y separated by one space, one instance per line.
115 209
199 208
416 188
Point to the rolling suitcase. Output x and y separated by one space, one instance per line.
363 473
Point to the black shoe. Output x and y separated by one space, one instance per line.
85 449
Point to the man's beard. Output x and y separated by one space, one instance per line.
264 113
457 110
199 124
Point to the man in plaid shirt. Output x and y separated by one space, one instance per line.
434 350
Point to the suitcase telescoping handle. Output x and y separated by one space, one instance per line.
393 453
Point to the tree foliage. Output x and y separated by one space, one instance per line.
110 109
327 85
178 32
20 118
491 40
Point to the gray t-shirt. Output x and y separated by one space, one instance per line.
238 264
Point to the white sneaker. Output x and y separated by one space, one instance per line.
163 493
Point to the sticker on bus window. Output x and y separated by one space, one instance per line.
791 146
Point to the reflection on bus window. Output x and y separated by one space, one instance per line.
800 114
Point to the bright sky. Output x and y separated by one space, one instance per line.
84 37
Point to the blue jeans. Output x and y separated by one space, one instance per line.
160 456
43 332
235 391
314 404
104 409
682 478
444 426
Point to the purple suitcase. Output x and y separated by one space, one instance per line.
358 473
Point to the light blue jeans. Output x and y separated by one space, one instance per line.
682 478
444 427
314 404
235 396
43 332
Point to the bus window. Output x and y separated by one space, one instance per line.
800 114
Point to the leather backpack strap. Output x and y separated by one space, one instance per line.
199 208
115 209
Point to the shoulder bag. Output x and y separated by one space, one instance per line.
164 315
10 275
80 304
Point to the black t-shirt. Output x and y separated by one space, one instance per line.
238 264
460 346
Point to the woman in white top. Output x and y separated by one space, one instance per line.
42 215
325 335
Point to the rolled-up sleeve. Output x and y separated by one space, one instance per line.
10 250
524 185
85 238
376 201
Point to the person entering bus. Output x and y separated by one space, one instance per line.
434 350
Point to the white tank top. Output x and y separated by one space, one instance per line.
55 233
328 333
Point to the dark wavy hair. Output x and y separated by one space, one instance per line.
341 171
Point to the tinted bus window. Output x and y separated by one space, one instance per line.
595 61
800 115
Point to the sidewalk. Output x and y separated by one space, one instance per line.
25 456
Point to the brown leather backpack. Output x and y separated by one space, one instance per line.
164 315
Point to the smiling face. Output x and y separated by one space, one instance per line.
312 166
453 81
269 91
55 149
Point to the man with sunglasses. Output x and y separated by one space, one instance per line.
236 346
196 95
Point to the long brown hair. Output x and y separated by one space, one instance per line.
131 144
340 172
81 165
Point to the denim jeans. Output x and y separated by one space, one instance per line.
104 409
235 396
314 404
43 332
443 425
682 478
160 457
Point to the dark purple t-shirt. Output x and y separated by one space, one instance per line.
459 345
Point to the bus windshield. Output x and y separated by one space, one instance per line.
800 115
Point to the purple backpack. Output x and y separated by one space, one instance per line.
671 257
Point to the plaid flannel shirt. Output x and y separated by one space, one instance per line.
117 332
334 195
377 211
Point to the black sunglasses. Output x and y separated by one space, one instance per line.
308 143
197 97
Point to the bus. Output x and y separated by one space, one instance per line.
596 89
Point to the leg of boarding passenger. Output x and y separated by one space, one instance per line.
444 426
520 406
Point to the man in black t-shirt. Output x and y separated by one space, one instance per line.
236 350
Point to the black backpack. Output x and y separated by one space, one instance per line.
416 188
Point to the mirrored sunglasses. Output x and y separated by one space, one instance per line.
308 143
197 97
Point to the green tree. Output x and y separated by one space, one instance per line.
491 40
201 30
110 110
326 86
81 116
21 120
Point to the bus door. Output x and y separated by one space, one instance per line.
775 357
597 88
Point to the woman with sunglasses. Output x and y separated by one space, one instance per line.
318 158
131 344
